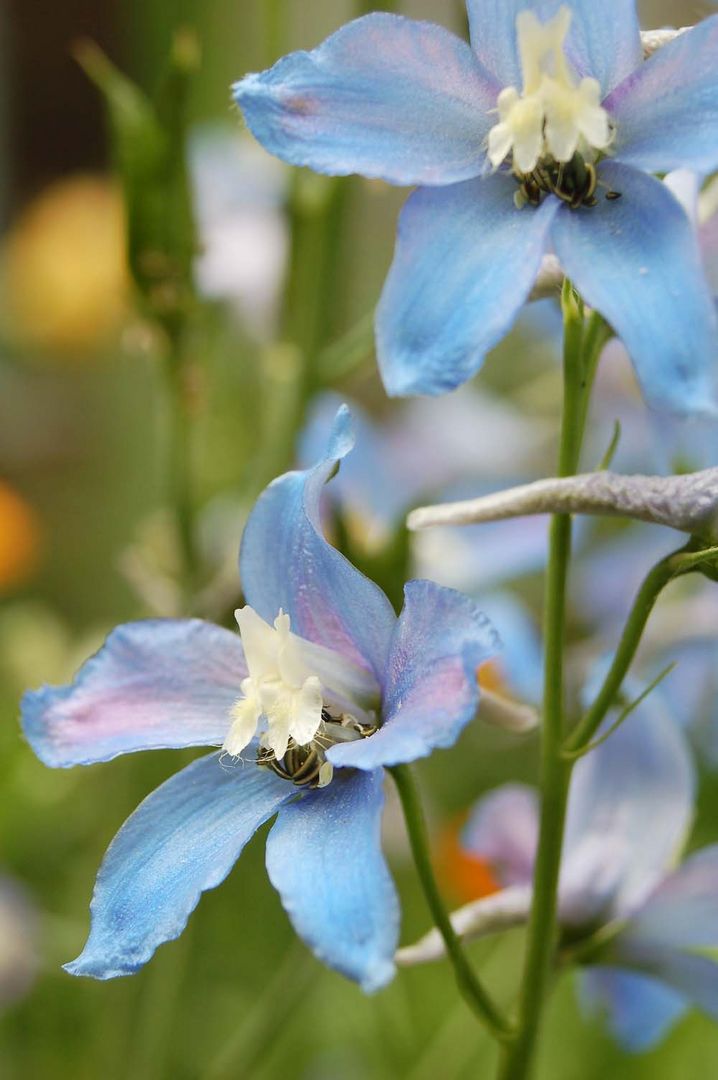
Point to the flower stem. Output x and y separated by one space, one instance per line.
582 344
673 566
468 982
179 396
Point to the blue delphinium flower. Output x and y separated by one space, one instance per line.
654 927
544 134
326 687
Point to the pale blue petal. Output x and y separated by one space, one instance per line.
520 664
474 558
642 773
153 684
371 485
666 114
465 262
324 858
603 42
639 1010
287 563
384 96
431 688
683 911
636 260
492 24
503 831
182 840
691 975
605 39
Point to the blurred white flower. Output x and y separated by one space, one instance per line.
239 193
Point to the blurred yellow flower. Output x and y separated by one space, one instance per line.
64 282
19 539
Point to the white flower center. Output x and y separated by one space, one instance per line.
555 115
290 680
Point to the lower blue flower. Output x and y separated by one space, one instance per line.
326 688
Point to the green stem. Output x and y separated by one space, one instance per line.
468 982
581 348
177 377
680 562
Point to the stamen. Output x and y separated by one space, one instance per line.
556 120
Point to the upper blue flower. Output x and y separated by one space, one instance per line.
325 687
551 109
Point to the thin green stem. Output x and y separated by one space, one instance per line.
581 348
673 566
468 982
179 467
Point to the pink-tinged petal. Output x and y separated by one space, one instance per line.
431 688
154 684
286 562
666 113
384 96
182 840
643 773
503 831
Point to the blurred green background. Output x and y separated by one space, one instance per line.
84 544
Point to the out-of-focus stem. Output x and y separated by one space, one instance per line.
469 984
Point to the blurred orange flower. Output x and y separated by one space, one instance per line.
465 876
64 282
19 539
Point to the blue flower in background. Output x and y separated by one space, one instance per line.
325 688
654 928
543 134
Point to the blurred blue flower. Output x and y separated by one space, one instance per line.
326 687
18 941
561 114
653 929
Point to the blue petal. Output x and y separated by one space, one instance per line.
384 96
683 911
667 113
324 858
371 487
431 688
465 262
286 562
638 1009
521 663
691 975
153 684
182 840
642 773
637 261
492 24
603 43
